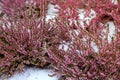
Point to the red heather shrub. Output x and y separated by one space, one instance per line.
81 61
26 39
24 35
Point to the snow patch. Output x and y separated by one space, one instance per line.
33 74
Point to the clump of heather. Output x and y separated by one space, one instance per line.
24 35
90 55
75 48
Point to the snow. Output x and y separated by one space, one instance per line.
52 12
111 31
95 47
33 74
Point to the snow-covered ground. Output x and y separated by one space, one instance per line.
33 74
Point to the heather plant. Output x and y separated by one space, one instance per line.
27 39
24 35
81 61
